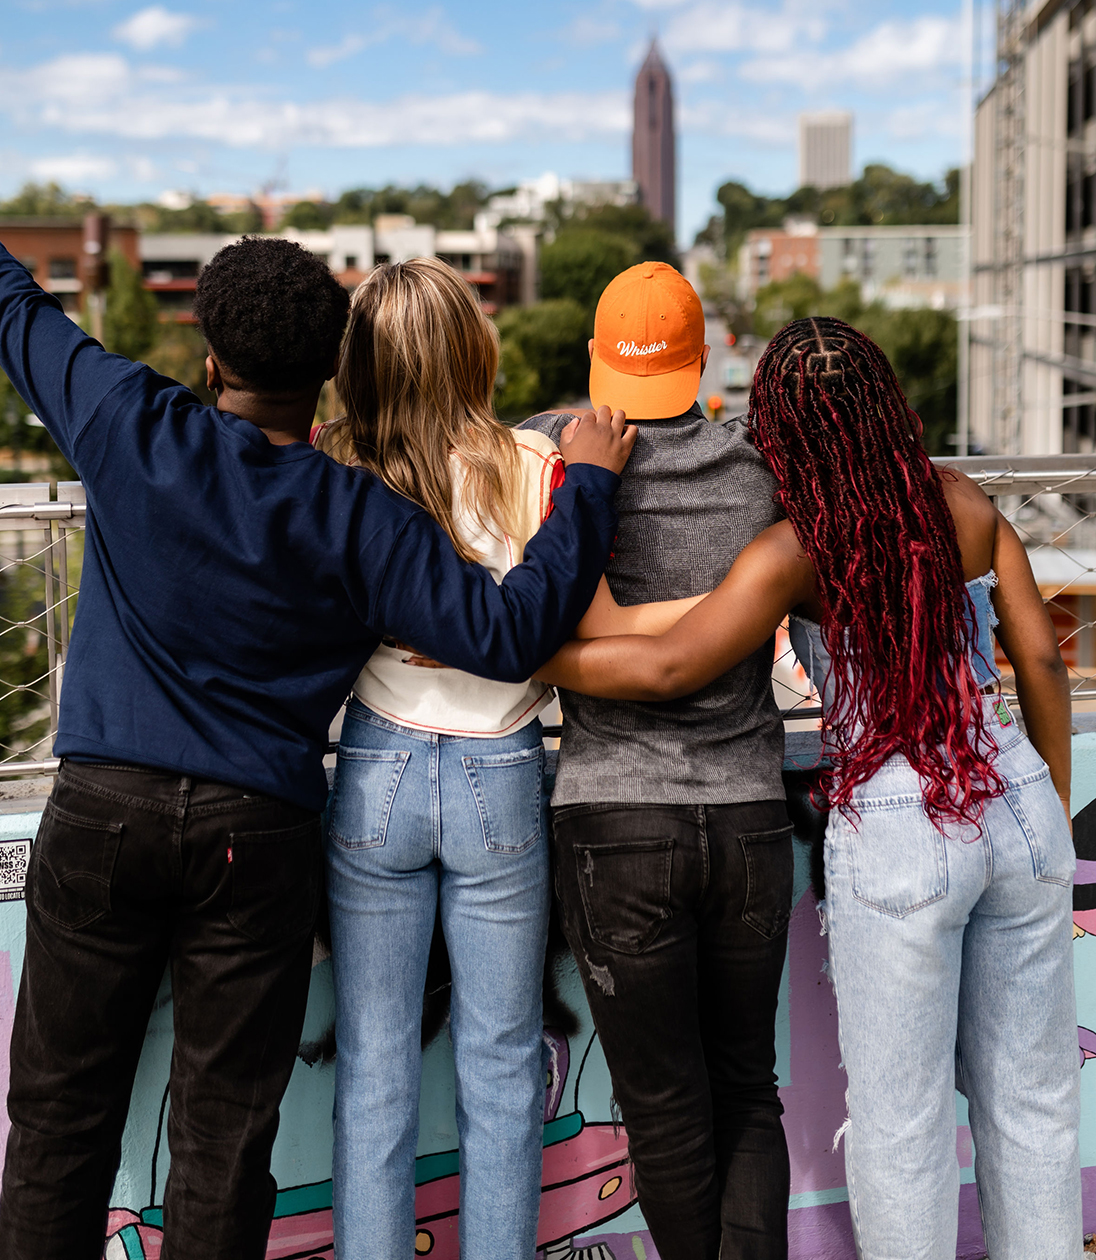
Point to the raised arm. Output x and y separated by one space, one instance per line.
1027 635
769 578
455 612
56 367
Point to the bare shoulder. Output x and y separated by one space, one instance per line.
960 491
975 518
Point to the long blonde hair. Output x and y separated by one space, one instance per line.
416 375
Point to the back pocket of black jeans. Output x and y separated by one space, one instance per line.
366 780
71 867
770 868
625 891
275 882
508 789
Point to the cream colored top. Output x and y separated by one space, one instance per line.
450 701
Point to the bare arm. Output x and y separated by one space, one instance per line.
769 578
605 616
1027 635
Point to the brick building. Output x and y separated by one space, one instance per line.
52 250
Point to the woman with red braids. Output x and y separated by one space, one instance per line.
949 861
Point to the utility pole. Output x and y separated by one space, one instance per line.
96 268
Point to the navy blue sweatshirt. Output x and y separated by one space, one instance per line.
232 589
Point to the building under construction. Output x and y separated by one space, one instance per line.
1032 366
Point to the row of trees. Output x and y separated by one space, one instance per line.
544 359
879 196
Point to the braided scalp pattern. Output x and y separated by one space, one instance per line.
830 418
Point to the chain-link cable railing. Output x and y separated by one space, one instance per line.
1050 500
41 551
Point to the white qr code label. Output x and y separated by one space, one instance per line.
14 856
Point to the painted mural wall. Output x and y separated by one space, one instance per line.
588 1203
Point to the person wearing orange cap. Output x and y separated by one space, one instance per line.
671 836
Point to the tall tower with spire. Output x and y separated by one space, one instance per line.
653 158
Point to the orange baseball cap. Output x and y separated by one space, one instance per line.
648 343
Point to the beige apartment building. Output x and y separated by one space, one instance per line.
1033 244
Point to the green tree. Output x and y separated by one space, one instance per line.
131 320
921 344
652 239
580 262
544 356
780 302
923 348
180 352
879 195
424 203
199 216
309 216
46 201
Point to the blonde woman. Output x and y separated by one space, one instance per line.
438 802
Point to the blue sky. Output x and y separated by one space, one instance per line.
126 101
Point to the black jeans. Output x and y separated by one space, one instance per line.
132 871
678 918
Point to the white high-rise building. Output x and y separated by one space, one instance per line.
825 149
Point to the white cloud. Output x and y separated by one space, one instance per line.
716 26
320 58
431 27
658 4
701 72
760 127
143 168
101 94
892 53
925 118
76 80
76 168
586 31
151 27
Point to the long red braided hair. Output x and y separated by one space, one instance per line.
830 419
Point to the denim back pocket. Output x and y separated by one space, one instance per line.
896 858
508 790
275 878
1039 812
71 866
770 870
366 780
625 891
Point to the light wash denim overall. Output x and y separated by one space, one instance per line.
951 958
421 823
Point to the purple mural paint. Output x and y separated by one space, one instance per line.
823 1232
7 1019
971 1244
814 1101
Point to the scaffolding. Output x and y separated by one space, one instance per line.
1010 134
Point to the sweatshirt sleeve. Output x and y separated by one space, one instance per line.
455 612
56 367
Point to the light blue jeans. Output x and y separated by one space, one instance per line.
952 962
420 822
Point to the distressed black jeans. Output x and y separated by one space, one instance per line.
132 871
678 919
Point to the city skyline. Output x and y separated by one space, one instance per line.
126 101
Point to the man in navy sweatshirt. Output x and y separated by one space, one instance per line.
234 582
